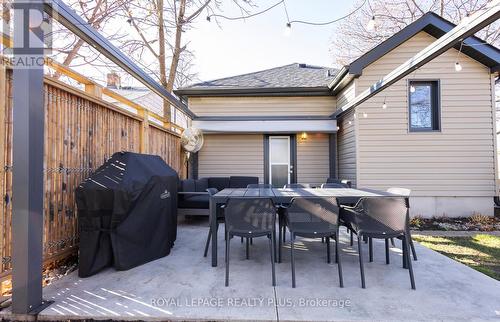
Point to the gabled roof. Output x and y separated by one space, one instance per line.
289 78
434 25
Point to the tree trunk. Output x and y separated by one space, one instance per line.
177 46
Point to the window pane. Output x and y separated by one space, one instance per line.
279 175
421 107
279 150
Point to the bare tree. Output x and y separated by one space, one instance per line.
160 25
352 37
98 14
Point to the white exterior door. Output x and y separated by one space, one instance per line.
279 160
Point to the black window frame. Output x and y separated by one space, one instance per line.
435 104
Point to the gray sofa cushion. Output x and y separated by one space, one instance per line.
194 202
188 185
202 184
241 181
220 183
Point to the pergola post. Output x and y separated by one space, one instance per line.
28 158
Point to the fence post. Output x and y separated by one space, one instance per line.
144 135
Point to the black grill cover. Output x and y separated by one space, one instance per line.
127 213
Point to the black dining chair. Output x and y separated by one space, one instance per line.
314 217
343 202
250 218
220 219
380 218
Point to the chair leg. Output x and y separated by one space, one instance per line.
328 255
248 248
352 237
272 249
410 241
361 268
280 241
386 251
207 244
336 247
337 259
404 247
370 250
292 242
228 241
410 268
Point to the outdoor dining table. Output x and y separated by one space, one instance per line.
280 196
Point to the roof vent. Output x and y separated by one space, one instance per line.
302 65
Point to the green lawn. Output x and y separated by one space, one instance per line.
481 252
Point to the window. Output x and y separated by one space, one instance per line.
424 105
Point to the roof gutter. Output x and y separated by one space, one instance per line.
252 91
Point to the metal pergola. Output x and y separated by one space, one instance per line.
28 156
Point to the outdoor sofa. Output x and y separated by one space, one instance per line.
193 195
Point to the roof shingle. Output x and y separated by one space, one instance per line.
292 75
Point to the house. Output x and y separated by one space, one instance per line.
142 96
433 132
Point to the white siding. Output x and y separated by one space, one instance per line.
313 160
458 160
257 106
346 148
347 94
232 155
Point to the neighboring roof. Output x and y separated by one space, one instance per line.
289 78
140 95
434 25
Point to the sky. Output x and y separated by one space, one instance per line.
238 47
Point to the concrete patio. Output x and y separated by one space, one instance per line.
183 286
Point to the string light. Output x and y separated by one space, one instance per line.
371 24
365 115
384 105
458 67
288 29
338 127
350 122
466 19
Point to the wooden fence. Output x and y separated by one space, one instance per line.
81 132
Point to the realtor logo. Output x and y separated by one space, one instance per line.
165 195
30 41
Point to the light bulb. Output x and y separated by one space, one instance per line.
458 67
365 115
466 19
288 29
350 122
355 116
371 24
338 128
412 89
384 106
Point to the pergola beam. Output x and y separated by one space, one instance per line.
467 28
